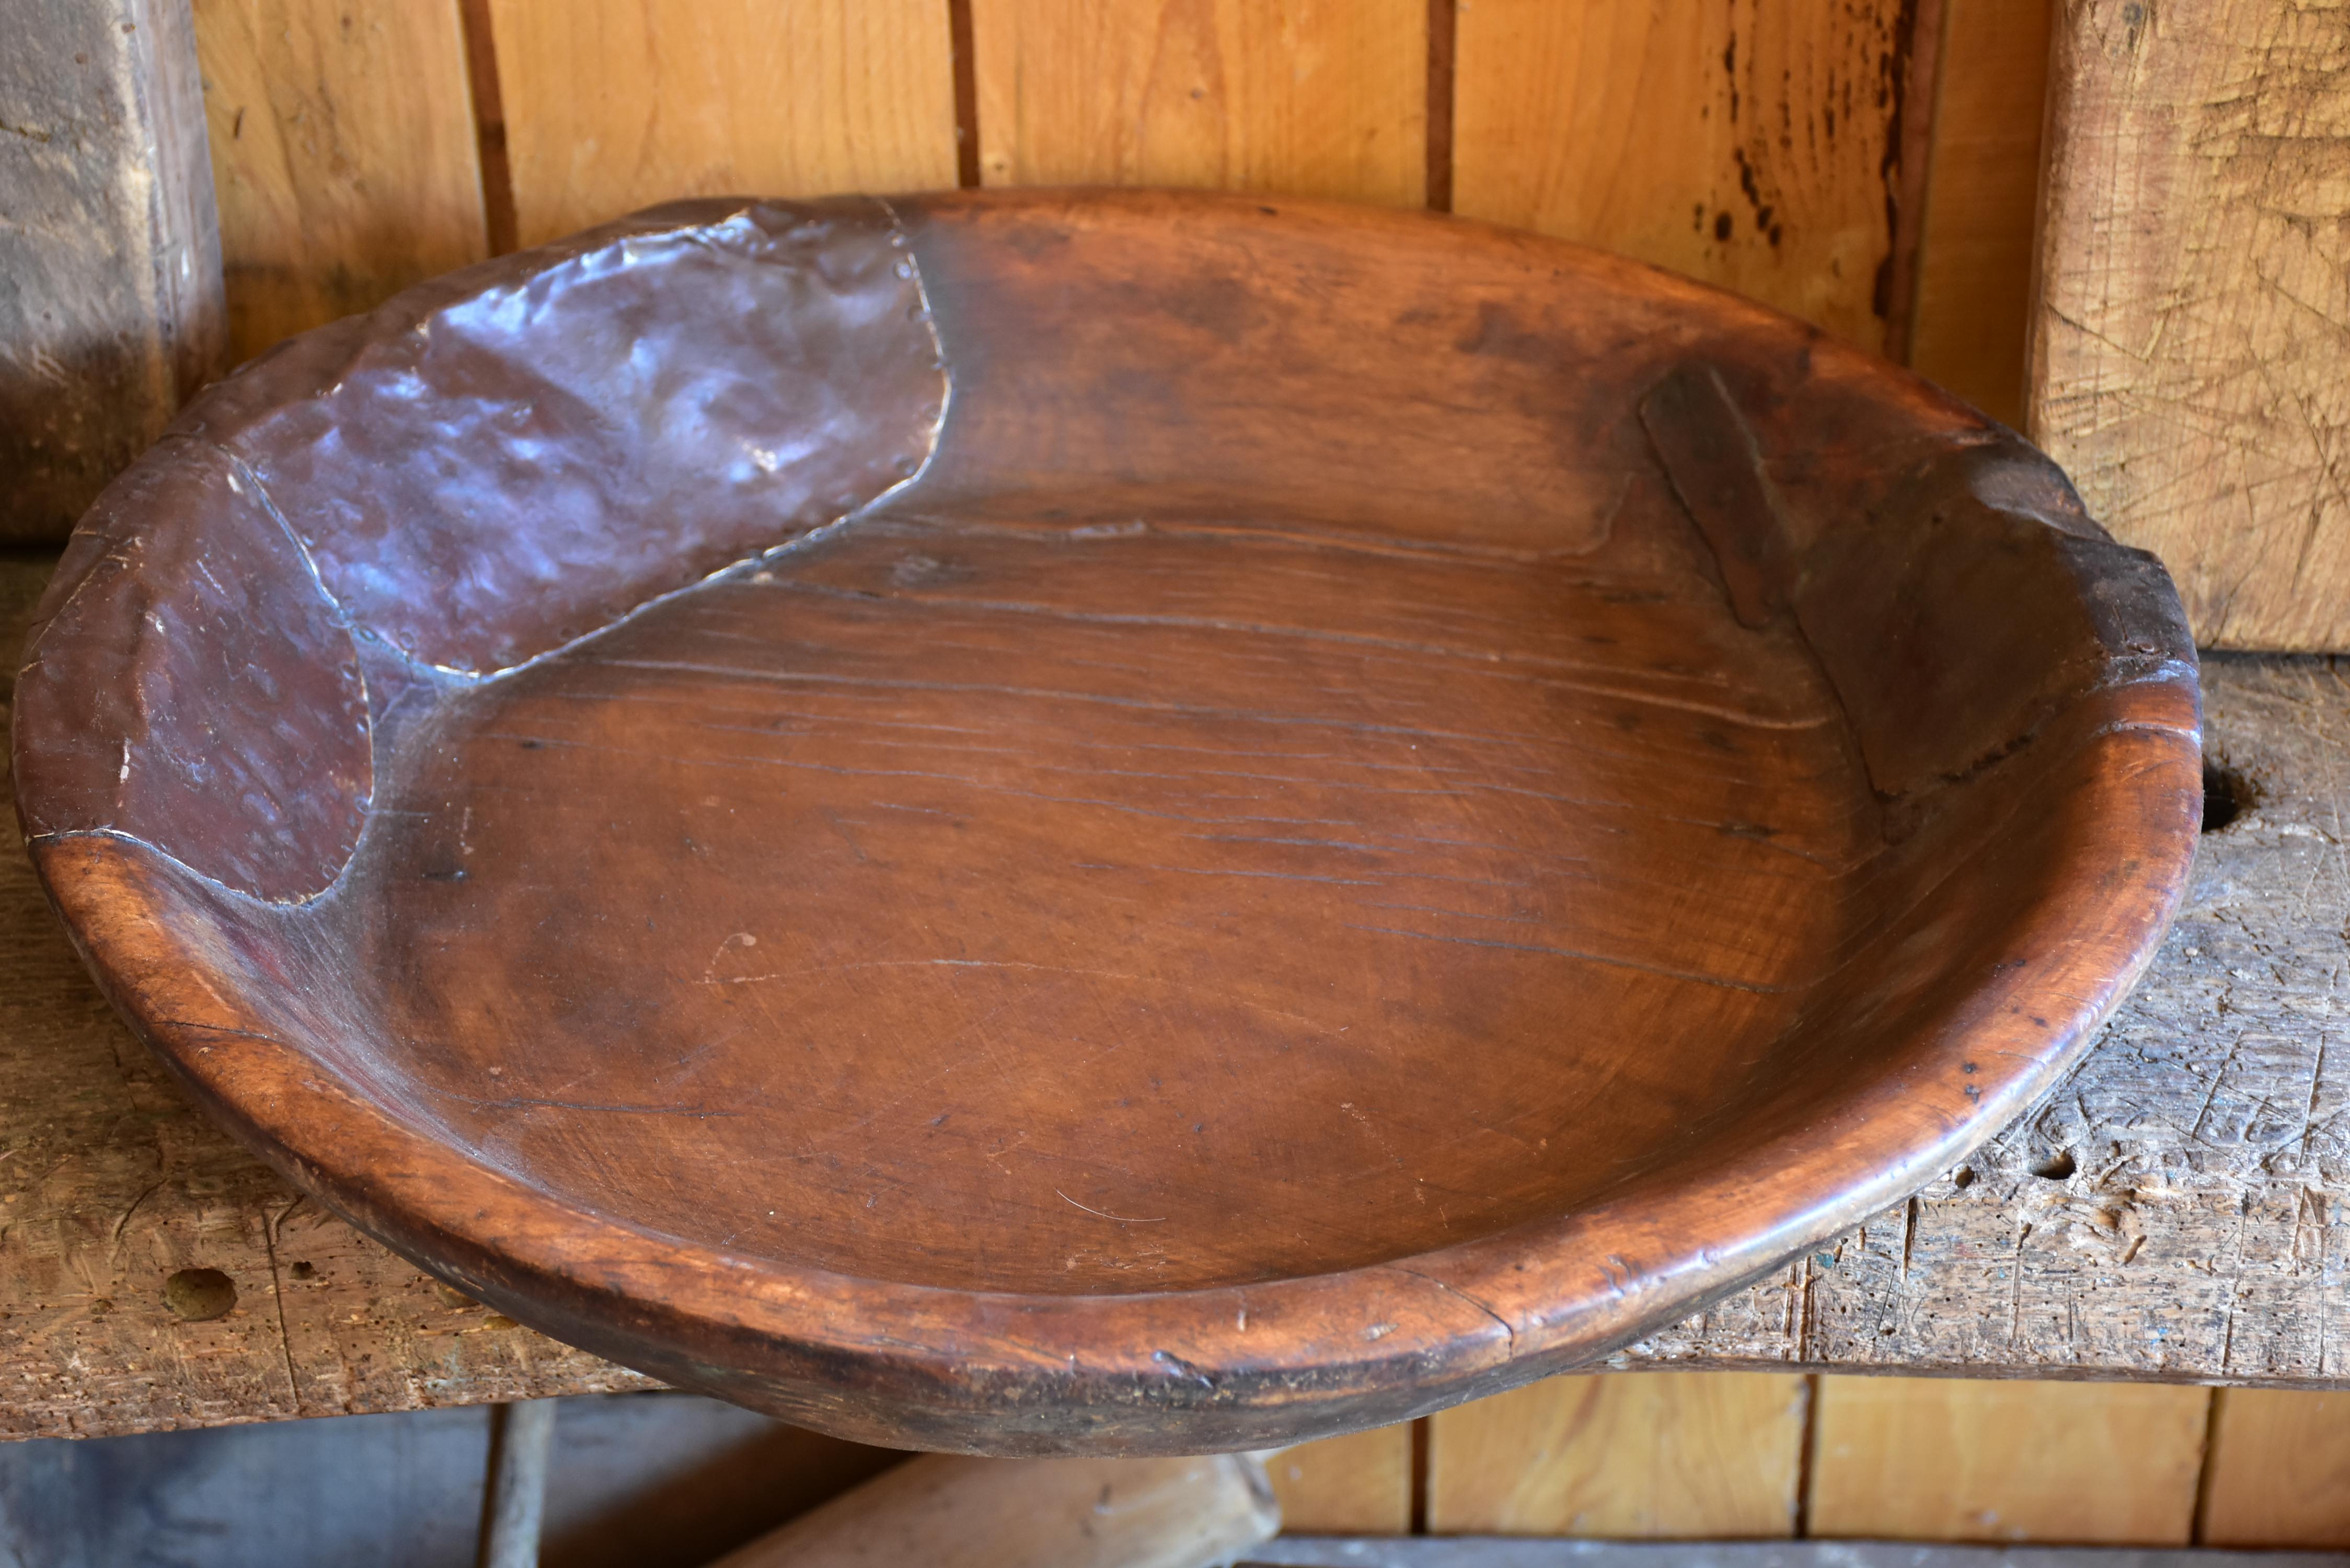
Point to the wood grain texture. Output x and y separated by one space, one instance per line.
2210 1251
1973 310
1604 620
2195 1238
1750 145
1322 97
1508 1552
343 154
116 1182
1697 1455
1958 1460
960 1512
2279 1470
610 105
1355 1485
110 310
2171 1210
2195 302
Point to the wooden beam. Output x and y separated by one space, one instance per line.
110 309
2193 323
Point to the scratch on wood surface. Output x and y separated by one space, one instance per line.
277 1300
1121 1218
2194 303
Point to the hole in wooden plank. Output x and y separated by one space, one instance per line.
2055 1167
199 1295
2226 795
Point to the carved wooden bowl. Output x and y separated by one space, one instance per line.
1102 823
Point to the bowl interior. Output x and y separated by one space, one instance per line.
1037 907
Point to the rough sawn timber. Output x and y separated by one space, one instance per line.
2196 1239
2185 362
111 308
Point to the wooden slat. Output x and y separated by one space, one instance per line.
2279 1473
611 105
1690 1454
1358 1485
1960 1460
2194 321
110 251
1324 97
1490 1551
1982 198
1750 144
343 153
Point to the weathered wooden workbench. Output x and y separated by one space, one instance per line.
2167 1213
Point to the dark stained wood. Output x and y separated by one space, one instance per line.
1391 805
2202 1256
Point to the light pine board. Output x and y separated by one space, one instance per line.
1963 1459
1973 300
1356 1485
612 104
1503 1552
2193 329
343 155
1740 141
1322 97
1694 1455
2279 1469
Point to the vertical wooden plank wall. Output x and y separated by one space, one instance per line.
612 104
1870 166
1753 145
343 155
1695 1455
1323 97
1960 1460
2279 1469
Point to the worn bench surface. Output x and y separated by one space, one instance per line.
2169 1212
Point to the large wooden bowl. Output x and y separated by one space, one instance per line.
1101 823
